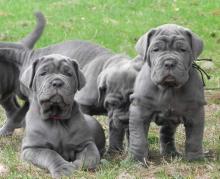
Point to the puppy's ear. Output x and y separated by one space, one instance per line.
27 76
80 76
143 43
102 86
196 43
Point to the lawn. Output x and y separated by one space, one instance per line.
117 24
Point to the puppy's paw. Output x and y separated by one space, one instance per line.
171 153
91 162
141 159
66 169
4 131
194 156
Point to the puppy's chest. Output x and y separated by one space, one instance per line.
66 141
169 109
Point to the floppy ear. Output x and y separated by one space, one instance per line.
27 76
79 74
196 43
102 85
143 43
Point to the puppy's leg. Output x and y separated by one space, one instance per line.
11 108
139 124
194 127
167 140
89 158
50 160
116 136
15 119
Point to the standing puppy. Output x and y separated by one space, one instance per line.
168 91
58 136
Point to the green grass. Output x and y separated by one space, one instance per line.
117 24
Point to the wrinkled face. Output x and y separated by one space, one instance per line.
170 57
55 83
115 93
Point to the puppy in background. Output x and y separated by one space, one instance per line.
58 136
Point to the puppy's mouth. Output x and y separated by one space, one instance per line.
169 81
54 108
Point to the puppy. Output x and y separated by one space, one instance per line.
58 137
9 76
168 91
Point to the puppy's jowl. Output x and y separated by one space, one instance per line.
58 137
168 91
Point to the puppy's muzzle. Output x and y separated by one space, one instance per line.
169 80
170 64
57 83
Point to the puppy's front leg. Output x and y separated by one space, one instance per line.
88 158
138 128
116 136
48 159
194 126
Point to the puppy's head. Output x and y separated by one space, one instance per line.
115 84
169 50
54 80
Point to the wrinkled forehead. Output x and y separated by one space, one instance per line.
168 33
56 62
121 83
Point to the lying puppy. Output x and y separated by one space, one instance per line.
110 79
9 73
58 136
168 91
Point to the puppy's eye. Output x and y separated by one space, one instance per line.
68 74
155 49
43 73
183 50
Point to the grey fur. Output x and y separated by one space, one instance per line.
110 79
9 75
168 91
58 137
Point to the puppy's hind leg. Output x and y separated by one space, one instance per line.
11 107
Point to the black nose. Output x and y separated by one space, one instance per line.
169 64
57 83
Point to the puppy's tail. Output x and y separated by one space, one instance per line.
30 40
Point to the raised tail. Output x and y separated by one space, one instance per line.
30 40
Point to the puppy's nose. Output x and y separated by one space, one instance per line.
57 83
169 64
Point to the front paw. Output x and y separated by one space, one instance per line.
66 169
91 163
193 156
140 158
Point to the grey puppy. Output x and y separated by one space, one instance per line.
110 79
168 91
58 137
9 73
